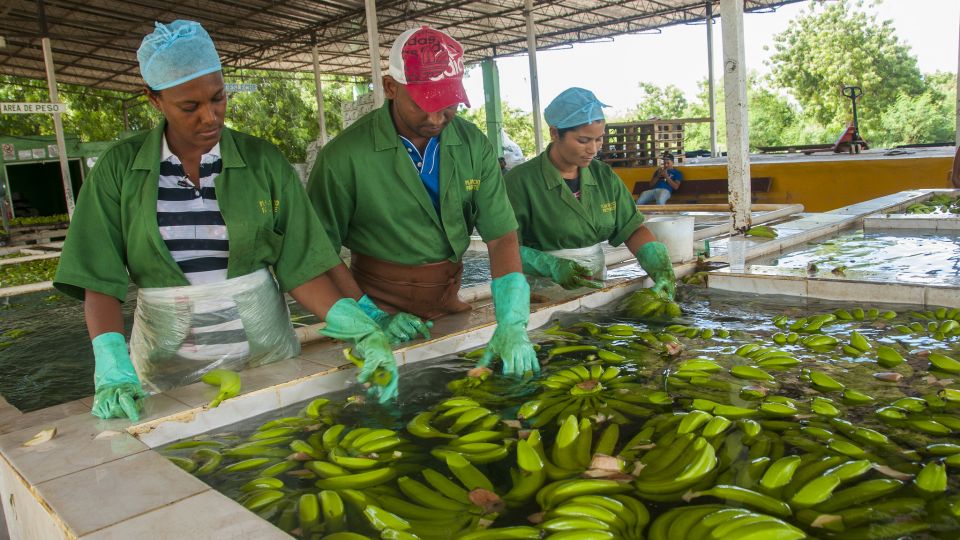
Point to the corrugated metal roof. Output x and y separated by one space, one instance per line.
95 41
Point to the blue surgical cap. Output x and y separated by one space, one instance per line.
573 107
176 53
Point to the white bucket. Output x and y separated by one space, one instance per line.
676 233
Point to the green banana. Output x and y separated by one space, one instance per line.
358 480
748 497
228 381
761 231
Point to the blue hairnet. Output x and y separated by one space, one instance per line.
573 107
176 53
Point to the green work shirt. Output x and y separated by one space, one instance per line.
370 198
551 218
114 230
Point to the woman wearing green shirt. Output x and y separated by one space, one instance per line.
567 203
211 225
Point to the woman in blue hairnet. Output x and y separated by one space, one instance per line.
211 225
567 203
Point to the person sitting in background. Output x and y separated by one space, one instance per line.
665 181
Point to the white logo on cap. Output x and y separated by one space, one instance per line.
455 66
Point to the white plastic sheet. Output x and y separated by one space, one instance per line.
180 333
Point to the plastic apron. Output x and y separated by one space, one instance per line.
590 257
180 333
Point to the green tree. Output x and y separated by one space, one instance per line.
517 123
93 115
835 45
283 110
774 121
659 102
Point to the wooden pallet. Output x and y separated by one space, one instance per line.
37 234
641 144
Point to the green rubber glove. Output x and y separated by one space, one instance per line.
511 304
564 272
117 390
655 261
399 328
347 321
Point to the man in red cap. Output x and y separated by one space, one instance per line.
403 188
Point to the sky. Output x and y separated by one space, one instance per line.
678 55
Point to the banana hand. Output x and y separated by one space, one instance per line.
228 381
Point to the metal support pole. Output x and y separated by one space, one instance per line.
321 116
958 94
711 94
373 41
492 106
57 121
534 83
735 105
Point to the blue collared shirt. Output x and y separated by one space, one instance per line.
428 165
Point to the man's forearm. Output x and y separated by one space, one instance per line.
343 279
504 255
102 313
317 295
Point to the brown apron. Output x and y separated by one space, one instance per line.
425 290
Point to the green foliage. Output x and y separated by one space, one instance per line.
517 123
835 45
94 115
12 275
927 118
824 49
283 110
659 102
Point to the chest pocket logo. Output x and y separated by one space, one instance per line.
267 206
471 184
608 207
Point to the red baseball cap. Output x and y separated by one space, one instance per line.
430 64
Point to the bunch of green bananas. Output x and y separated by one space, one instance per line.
466 428
585 392
492 391
697 332
941 331
860 314
768 357
716 522
938 314
695 279
646 304
805 325
590 508
228 381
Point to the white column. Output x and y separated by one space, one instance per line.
58 125
958 94
534 83
735 106
373 41
321 116
711 94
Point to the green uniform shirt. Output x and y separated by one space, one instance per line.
551 218
370 198
114 231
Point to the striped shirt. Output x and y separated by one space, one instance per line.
193 229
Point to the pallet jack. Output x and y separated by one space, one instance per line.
850 140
